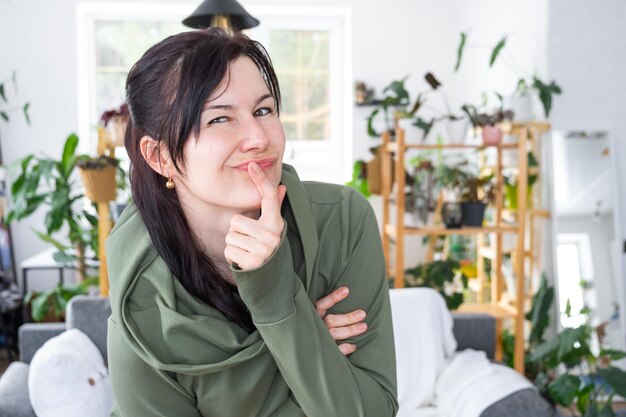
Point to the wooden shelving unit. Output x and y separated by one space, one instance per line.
396 230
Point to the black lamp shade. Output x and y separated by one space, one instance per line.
239 17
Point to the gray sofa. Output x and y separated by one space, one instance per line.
89 314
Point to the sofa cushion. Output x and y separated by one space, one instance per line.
68 377
14 392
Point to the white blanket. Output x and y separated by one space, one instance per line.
434 379
468 384
422 327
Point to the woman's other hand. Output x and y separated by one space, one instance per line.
341 326
250 242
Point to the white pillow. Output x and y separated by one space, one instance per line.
68 378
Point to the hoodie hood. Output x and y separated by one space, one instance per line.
163 324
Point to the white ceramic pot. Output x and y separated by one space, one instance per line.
521 106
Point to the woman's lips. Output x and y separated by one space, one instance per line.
263 163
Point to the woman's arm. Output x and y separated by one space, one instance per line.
324 381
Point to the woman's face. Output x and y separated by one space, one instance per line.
238 125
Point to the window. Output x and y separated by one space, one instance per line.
574 268
308 48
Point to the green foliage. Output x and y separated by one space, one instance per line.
52 303
496 51
43 181
459 51
546 91
565 368
5 99
444 276
359 180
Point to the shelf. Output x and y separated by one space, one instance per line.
393 146
499 311
390 230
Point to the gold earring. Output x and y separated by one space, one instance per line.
169 184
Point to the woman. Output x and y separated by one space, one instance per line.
229 276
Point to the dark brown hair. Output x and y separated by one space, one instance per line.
166 91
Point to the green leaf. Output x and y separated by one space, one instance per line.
4 116
616 378
40 305
69 157
459 51
612 354
583 398
49 239
568 308
538 315
2 94
370 124
25 111
496 51
564 389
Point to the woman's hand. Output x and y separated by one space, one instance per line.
341 326
251 242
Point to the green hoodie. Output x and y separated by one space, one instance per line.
172 355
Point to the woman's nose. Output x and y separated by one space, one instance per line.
254 137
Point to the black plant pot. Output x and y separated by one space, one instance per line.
451 214
473 214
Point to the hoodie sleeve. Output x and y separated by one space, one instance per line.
150 392
323 381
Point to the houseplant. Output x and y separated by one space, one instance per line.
511 184
5 98
46 182
116 121
488 122
476 193
565 368
526 84
50 305
445 276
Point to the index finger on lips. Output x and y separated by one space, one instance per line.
270 204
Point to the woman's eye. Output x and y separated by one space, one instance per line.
218 120
263 111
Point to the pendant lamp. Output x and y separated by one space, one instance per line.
227 14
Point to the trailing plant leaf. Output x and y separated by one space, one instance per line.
370 124
496 51
616 378
584 396
2 93
612 354
459 51
25 110
539 313
4 116
546 91
564 389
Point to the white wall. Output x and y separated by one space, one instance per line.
586 43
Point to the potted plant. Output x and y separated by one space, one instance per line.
476 193
565 369
445 276
116 121
50 305
359 178
520 102
99 177
46 182
511 184
488 122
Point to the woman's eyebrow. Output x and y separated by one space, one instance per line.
230 106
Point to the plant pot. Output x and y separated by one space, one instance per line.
492 135
473 214
117 129
99 183
451 214
511 194
456 130
521 106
